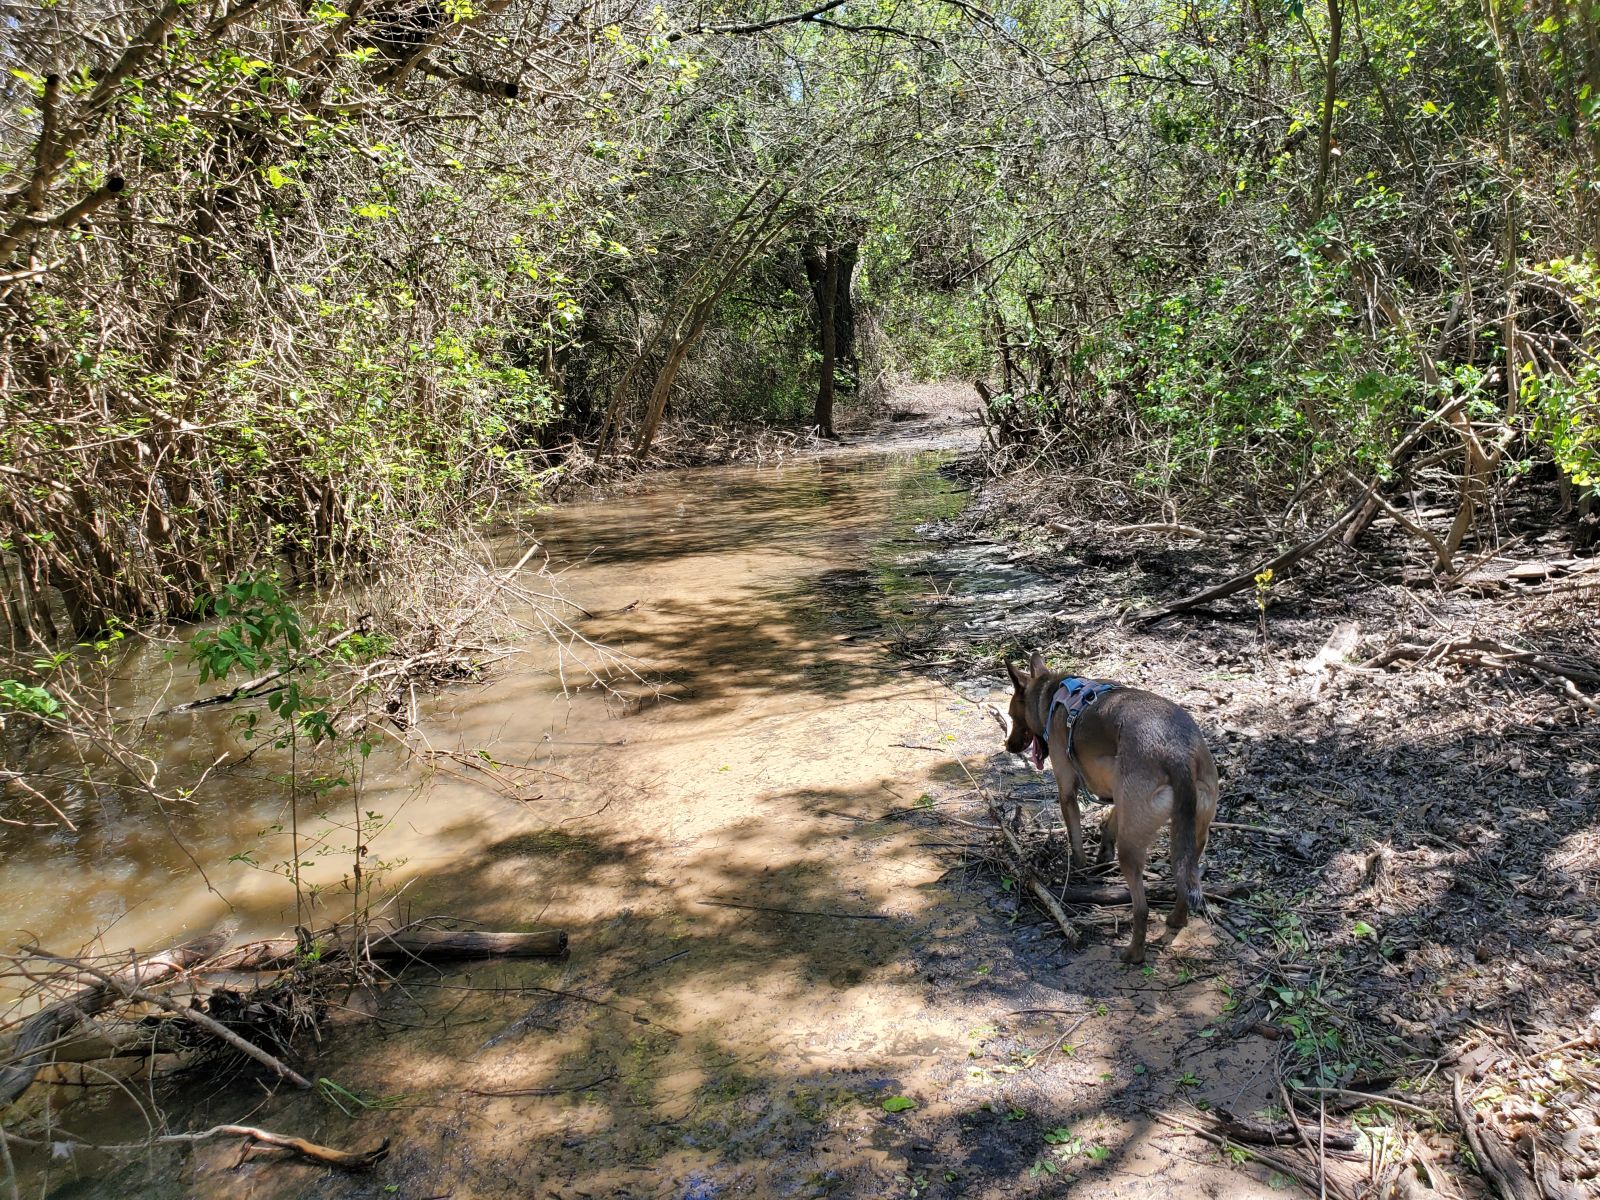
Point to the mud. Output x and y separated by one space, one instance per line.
772 933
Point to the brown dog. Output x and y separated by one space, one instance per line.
1134 749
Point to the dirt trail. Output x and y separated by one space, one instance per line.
772 936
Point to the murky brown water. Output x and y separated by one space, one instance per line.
764 947
751 598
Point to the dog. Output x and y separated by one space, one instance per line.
1136 750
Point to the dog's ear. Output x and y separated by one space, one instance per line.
1036 665
1019 677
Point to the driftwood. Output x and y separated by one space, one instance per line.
33 1044
1483 652
194 1016
345 1160
1489 653
65 1029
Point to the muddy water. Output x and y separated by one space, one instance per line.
766 946
765 585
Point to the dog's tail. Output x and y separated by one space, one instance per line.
1185 852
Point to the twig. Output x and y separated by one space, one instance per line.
1286 1133
251 686
1023 871
1277 1162
1375 1098
1157 527
1286 834
796 912
554 1091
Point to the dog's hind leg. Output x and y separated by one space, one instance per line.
1108 834
1179 917
1130 857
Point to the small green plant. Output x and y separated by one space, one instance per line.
259 632
1263 598
27 698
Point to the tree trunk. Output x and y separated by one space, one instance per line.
828 299
1330 93
844 310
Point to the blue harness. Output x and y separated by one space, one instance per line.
1074 695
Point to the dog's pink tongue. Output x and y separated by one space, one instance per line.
1037 751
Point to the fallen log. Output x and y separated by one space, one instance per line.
1105 894
1283 1133
410 943
31 1048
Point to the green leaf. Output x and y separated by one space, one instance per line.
898 1104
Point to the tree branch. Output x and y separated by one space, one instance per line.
758 26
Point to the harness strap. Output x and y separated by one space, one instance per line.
1075 695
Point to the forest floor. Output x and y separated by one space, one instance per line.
1415 812
798 966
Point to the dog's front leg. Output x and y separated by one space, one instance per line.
1067 793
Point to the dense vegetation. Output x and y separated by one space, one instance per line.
297 285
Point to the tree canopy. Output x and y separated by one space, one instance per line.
289 281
